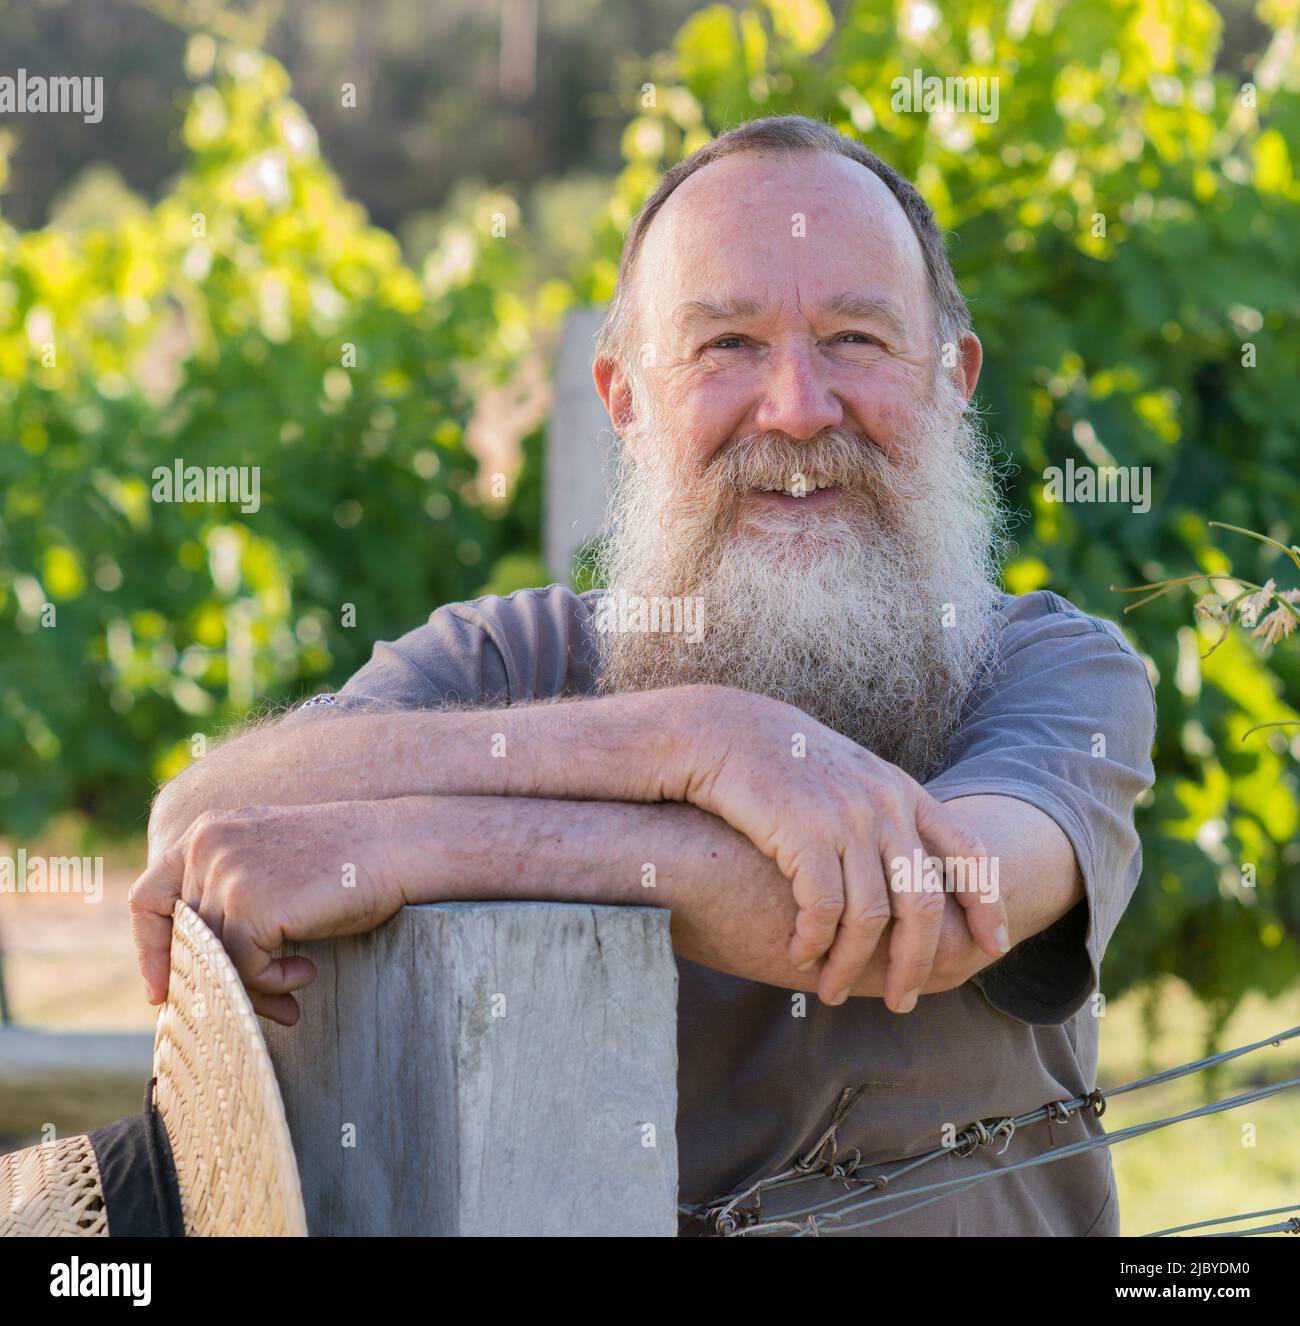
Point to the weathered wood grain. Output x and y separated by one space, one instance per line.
580 447
500 1068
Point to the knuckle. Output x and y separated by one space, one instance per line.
237 890
825 910
860 816
867 916
914 971
819 823
207 832
928 908
967 844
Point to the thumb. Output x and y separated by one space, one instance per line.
151 902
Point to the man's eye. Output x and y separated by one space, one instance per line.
726 343
858 338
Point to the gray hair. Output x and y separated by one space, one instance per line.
782 133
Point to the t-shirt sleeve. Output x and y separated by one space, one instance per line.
486 652
1068 727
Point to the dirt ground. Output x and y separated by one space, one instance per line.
68 964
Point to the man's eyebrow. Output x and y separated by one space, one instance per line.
714 310
869 308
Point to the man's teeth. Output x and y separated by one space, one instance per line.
796 489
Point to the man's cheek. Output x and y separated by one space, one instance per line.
891 418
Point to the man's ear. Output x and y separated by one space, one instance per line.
970 358
615 392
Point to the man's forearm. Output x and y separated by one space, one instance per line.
613 749
732 909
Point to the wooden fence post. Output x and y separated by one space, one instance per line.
490 1068
580 445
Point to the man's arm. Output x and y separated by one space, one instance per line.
263 875
831 815
732 908
1037 865
608 749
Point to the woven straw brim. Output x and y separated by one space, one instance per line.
219 1099
52 1191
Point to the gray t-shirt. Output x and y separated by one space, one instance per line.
1066 723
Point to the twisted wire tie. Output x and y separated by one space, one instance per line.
817 1159
979 1134
843 1171
1062 1111
728 1222
971 1138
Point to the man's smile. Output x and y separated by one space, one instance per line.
812 500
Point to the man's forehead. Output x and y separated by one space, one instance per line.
760 214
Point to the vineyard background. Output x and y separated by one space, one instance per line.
236 268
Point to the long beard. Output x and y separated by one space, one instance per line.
876 618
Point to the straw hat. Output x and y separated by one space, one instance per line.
210 1154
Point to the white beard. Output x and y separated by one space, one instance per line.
875 618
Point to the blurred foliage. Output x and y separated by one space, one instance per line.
217 328
1124 230
515 90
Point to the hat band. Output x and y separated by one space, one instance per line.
137 1175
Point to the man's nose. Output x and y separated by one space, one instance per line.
797 400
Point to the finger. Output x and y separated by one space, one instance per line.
918 920
151 902
281 975
818 886
262 972
972 874
207 905
866 914
281 1008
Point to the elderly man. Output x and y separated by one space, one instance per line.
857 768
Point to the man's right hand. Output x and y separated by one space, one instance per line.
834 817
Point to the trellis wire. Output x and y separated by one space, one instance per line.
726 1218
1221 1220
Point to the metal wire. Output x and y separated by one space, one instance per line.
729 1220
1058 1153
1222 1220
1286 1227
